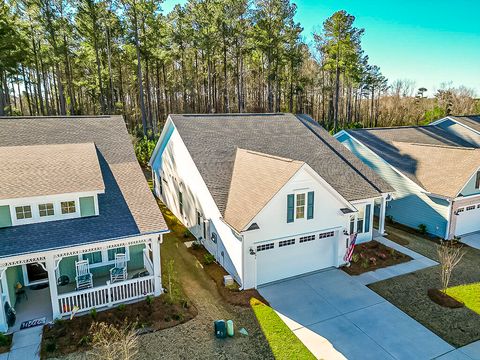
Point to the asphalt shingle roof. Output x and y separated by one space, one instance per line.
127 207
406 149
472 121
212 141
38 170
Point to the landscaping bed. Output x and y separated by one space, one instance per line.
284 343
468 294
372 256
67 336
458 326
231 294
442 299
5 343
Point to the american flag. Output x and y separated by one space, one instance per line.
348 255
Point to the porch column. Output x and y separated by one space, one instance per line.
52 282
381 216
157 273
3 318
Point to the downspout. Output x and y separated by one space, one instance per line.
449 220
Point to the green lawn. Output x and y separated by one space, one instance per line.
468 294
284 343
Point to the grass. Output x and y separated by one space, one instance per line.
467 294
283 342
5 343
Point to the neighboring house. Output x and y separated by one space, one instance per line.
435 173
71 190
271 196
466 127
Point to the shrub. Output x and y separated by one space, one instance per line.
144 148
149 300
365 263
392 252
422 229
121 307
51 346
110 342
93 313
373 260
84 340
187 234
382 256
4 340
208 259
355 258
196 245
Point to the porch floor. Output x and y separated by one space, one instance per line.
35 305
98 280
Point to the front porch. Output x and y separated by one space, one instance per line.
46 287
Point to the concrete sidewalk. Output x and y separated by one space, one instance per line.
25 345
419 262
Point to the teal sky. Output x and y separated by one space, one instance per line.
427 41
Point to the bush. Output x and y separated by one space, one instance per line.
144 148
365 263
187 234
93 313
355 258
422 229
208 259
51 346
4 340
196 245
149 300
110 342
121 307
84 341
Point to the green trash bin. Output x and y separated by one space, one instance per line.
220 329
230 331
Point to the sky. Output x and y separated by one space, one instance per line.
427 41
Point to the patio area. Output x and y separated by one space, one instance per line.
35 304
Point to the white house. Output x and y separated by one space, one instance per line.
435 172
79 227
271 196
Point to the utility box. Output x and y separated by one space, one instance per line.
228 280
220 329
230 331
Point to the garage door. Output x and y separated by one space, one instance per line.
278 260
468 220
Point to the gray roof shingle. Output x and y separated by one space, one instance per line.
127 207
472 121
212 141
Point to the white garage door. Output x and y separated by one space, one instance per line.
278 260
468 220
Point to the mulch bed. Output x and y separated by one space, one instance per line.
67 336
232 294
372 256
442 299
7 343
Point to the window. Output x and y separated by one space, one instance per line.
306 238
46 209
265 247
360 220
300 207
477 181
23 212
326 235
93 257
68 207
367 217
113 252
199 218
352 224
180 201
460 210
160 185
286 242
472 207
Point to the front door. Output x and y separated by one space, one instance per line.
35 274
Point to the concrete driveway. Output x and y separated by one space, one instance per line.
472 240
358 323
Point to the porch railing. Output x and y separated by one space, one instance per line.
147 262
106 296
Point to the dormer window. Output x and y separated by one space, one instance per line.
68 207
46 210
23 212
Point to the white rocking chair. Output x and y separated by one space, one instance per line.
84 277
119 272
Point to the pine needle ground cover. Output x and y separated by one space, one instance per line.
284 343
467 294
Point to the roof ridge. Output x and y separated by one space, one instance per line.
275 157
437 146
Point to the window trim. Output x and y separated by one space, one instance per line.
104 253
265 247
68 207
22 207
288 242
300 206
46 210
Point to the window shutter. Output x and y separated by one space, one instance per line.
477 181
367 218
310 205
290 207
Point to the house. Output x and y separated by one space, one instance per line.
74 206
271 196
466 127
434 171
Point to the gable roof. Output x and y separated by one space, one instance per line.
212 141
38 170
256 178
417 152
127 207
472 121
